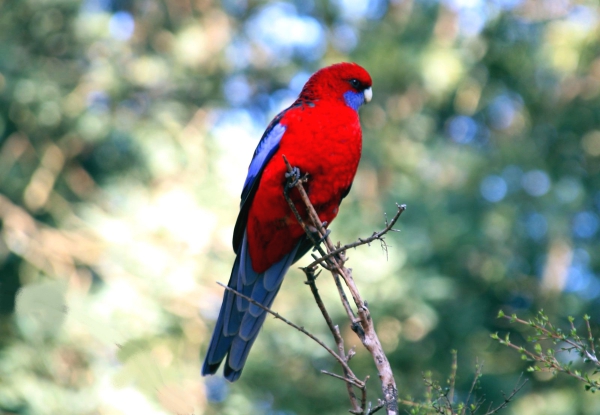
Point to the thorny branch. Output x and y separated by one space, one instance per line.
367 241
310 281
361 322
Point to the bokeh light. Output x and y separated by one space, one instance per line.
126 132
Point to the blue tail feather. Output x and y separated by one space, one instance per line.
241 347
249 276
239 321
222 337
274 275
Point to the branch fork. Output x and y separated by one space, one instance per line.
333 259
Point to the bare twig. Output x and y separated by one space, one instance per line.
310 281
352 381
301 329
362 323
376 236
478 370
508 398
363 398
380 405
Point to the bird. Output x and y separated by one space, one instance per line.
320 134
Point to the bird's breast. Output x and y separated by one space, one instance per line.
326 144
329 152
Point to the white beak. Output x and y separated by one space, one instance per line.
368 94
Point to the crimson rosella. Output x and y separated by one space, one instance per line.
320 134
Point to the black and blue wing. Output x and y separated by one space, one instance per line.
267 146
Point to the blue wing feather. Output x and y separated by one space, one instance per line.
267 146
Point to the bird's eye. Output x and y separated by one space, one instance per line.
355 83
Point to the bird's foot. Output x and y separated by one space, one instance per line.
316 236
295 176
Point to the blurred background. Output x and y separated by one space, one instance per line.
126 129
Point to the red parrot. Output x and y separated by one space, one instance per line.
320 134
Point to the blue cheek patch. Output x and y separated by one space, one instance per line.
354 99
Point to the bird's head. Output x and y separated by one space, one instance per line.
343 81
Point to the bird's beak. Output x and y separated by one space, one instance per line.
368 94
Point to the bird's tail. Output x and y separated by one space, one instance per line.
227 326
239 320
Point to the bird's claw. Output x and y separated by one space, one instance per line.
327 232
294 176
321 239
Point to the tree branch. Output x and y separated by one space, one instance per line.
362 323
335 331
376 236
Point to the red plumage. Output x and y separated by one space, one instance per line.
323 140
320 134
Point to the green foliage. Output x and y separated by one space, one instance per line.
126 129
561 343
